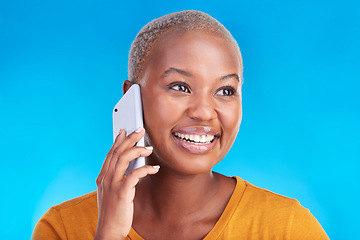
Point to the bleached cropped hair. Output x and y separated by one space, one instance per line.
151 33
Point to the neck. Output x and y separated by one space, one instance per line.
168 194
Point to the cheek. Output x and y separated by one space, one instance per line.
230 119
161 113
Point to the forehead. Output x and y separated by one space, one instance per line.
177 34
198 48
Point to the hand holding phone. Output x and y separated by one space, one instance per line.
115 191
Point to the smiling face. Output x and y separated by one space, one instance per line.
191 92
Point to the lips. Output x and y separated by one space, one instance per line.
197 140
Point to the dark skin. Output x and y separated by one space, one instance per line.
190 86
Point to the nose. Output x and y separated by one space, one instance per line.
202 108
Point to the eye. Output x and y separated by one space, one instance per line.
180 86
226 91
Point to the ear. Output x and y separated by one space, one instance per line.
126 85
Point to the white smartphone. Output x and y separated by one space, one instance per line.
128 115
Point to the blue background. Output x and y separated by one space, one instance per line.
62 64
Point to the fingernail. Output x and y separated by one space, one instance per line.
139 129
156 166
120 131
150 148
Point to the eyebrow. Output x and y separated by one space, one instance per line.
187 74
172 69
230 76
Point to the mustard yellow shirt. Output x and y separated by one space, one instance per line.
252 213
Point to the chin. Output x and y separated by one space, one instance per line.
183 164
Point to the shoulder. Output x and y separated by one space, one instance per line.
262 211
264 205
84 201
83 209
264 198
70 218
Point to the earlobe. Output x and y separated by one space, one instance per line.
126 85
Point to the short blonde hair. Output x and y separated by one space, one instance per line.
151 32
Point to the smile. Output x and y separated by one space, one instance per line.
196 139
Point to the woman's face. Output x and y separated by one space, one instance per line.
191 92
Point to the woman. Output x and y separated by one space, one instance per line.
189 69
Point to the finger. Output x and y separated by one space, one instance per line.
121 144
123 161
131 140
127 143
119 138
133 178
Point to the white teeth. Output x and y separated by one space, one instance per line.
197 139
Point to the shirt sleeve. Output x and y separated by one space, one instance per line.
305 226
49 227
